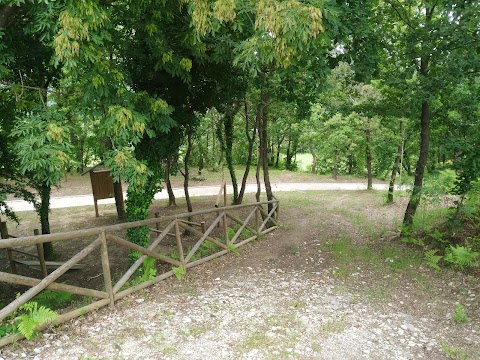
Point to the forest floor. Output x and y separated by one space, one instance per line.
333 282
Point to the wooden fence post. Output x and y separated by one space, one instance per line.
157 225
107 278
225 229
4 235
41 255
179 245
203 227
257 220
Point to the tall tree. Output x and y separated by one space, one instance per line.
432 42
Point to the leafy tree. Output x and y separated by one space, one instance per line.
42 146
432 44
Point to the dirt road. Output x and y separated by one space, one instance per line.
87 200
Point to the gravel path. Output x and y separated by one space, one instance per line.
87 200
229 311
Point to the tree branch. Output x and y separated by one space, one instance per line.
405 19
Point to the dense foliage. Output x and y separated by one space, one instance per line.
368 88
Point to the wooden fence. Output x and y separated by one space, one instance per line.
257 222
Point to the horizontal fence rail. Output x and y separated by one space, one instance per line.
208 228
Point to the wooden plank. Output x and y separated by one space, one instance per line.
143 285
179 243
141 249
159 232
140 260
29 294
205 259
24 253
243 225
28 281
190 222
202 239
48 264
219 196
58 320
269 218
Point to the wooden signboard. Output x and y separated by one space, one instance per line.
102 186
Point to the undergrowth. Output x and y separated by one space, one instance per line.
448 234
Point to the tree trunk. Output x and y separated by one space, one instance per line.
43 212
168 183
259 151
251 143
314 163
422 161
350 163
368 156
391 186
118 193
335 166
185 174
228 127
424 137
263 132
277 158
288 161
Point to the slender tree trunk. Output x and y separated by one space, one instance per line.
288 161
335 166
201 164
168 183
277 158
368 156
424 138
391 186
251 143
263 132
422 161
185 174
259 151
314 163
228 126
43 212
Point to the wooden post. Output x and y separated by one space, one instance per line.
157 225
96 208
257 220
203 227
179 244
4 235
107 278
225 229
41 256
